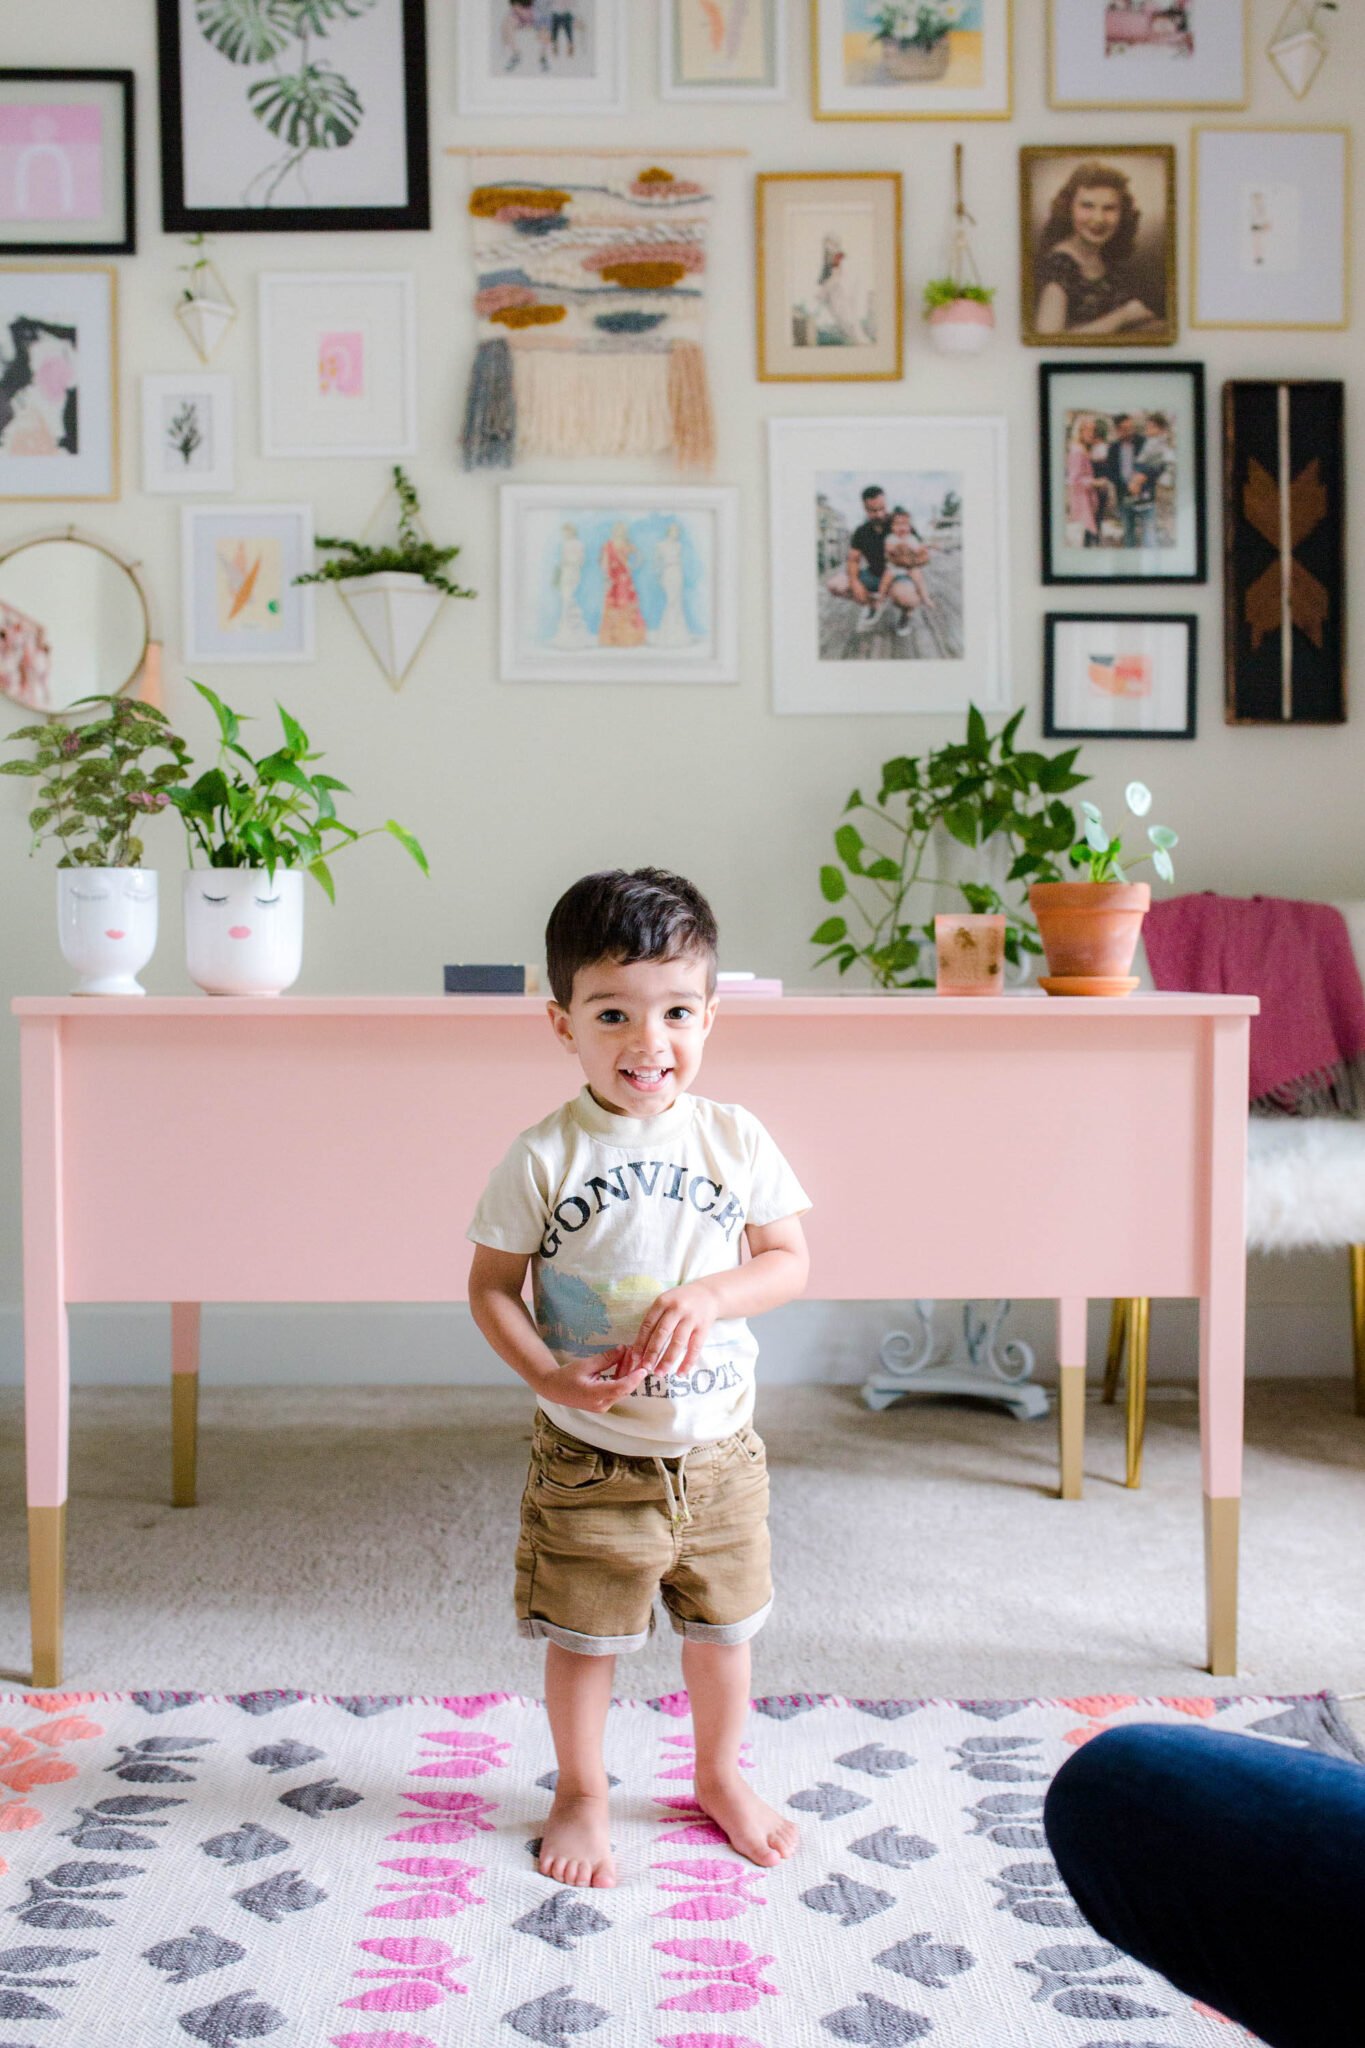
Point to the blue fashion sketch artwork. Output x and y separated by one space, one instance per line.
608 577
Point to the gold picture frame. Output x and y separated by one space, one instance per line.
1139 271
1197 135
793 236
1193 104
822 110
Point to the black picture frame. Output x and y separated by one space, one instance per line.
125 87
178 216
1139 371
1053 731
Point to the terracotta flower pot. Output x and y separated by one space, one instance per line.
1090 929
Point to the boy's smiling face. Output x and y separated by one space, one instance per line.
638 1029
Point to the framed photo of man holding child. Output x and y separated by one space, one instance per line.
1097 257
1122 467
541 57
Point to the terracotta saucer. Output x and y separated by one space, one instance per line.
1088 984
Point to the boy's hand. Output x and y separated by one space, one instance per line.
595 1383
674 1328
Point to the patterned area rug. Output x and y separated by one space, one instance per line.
359 1872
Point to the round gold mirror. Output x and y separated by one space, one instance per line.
74 622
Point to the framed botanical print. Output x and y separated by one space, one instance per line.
1269 207
1122 468
830 293
338 357
1097 259
58 383
723 49
889 564
532 57
911 60
187 442
288 118
237 566
68 182
1148 53
1119 675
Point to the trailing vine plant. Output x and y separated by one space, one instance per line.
302 102
414 554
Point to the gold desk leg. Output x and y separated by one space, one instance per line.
1358 1321
184 1437
1222 1526
1139 1331
1113 1364
47 1590
1071 1428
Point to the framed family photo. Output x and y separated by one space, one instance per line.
67 163
338 355
237 566
723 49
1122 468
1270 214
1097 259
1148 53
635 584
58 383
187 433
911 60
293 118
1119 676
536 57
889 564
830 291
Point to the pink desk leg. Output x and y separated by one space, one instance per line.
1071 1393
184 1401
1222 1338
46 1357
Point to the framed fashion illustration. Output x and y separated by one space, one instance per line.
1122 469
912 60
830 292
1119 675
1148 53
1097 246
636 584
1270 245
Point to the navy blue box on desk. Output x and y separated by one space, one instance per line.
490 979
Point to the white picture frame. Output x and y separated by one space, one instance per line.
276 621
654 603
506 69
58 338
338 363
967 76
939 640
187 433
1270 208
703 56
1205 64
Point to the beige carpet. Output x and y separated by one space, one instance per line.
361 1541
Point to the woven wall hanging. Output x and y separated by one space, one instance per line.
590 297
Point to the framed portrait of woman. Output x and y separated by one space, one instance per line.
830 296
1122 469
1097 249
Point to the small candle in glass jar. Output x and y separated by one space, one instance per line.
971 954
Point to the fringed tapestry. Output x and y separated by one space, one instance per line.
590 298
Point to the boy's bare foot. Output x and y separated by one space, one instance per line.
575 1848
753 1827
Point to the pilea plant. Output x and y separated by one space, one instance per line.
94 793
1104 858
974 790
275 814
413 555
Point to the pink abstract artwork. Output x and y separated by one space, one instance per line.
341 364
51 163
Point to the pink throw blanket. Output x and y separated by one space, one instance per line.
1308 1043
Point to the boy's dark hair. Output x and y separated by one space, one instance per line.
872 491
648 914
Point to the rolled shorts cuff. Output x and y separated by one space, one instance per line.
584 1646
722 1631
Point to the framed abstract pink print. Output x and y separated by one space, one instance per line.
67 182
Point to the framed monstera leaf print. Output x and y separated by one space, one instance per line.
292 115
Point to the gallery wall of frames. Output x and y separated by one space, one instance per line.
791 376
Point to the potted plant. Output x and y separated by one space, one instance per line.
94 796
392 593
1090 929
977 793
960 315
258 826
205 308
913 36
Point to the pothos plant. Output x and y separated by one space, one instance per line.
95 794
414 554
270 812
975 790
302 101
1104 859
946 291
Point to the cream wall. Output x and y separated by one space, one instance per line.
516 789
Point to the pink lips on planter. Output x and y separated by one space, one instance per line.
115 935
239 931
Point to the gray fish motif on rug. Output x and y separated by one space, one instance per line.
876 2022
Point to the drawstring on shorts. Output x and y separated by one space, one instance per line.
679 1513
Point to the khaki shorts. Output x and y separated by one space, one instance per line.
601 1534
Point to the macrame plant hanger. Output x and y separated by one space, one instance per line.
961 325
963 268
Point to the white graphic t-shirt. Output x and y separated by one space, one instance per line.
612 1210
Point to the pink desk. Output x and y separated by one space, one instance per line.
173 1149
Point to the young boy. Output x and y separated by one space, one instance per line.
630 1203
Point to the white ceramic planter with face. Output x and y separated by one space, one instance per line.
106 926
243 930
